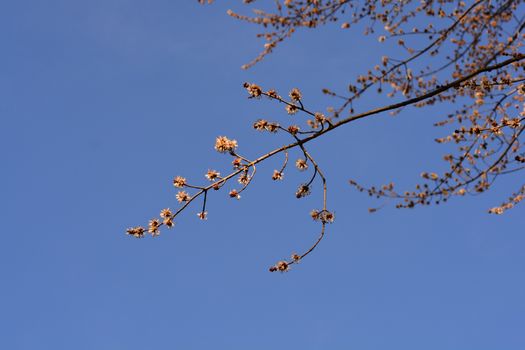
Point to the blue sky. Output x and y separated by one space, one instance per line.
103 103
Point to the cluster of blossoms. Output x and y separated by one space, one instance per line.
153 227
322 215
225 145
244 179
273 94
212 175
264 125
166 215
179 182
291 109
295 95
236 162
301 164
302 191
431 176
253 89
136 231
277 175
293 129
182 196
234 194
281 266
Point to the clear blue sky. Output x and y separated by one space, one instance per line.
103 102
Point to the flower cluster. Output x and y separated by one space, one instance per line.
182 196
295 95
234 194
301 164
264 125
212 175
291 109
281 266
324 216
225 145
302 191
153 227
277 175
167 217
137 231
253 89
179 182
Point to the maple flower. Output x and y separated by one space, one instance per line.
137 231
301 164
253 89
179 181
302 191
282 266
212 175
153 227
234 194
225 145
327 217
182 196
314 214
236 163
260 124
168 222
277 175
295 94
165 213
244 179
291 109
